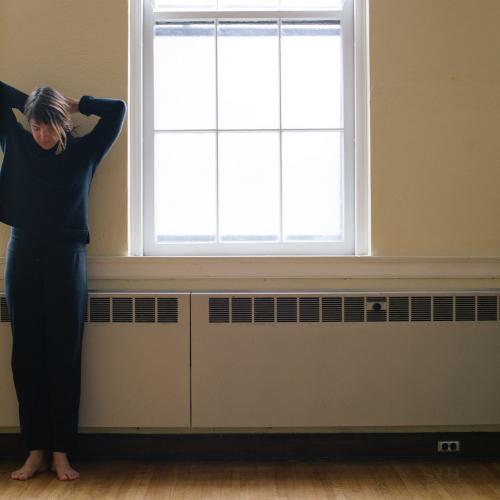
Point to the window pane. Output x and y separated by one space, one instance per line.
185 4
311 74
247 4
249 186
311 4
312 186
184 75
185 204
248 74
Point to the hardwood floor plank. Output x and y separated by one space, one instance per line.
420 482
276 480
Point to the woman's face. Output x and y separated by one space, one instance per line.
44 134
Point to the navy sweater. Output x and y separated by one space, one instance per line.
45 194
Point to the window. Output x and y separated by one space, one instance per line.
248 129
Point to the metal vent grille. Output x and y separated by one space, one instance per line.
309 309
376 309
331 309
420 308
325 309
287 309
100 309
167 310
4 310
133 309
122 309
218 310
354 309
264 309
144 309
399 308
487 308
303 309
241 309
443 308
465 308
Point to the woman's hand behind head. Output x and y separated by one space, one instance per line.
73 104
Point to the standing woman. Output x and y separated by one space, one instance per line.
44 184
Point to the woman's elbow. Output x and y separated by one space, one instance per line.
121 107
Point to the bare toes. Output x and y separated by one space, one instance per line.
18 475
68 476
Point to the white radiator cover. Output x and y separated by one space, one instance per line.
283 359
135 373
371 372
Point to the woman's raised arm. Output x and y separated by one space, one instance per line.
112 115
10 98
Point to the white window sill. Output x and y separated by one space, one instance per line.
271 267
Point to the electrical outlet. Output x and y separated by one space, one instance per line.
448 446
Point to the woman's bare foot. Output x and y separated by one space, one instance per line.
36 462
62 468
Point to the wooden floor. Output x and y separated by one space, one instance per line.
123 479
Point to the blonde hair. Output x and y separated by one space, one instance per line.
47 105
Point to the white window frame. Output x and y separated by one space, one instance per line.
141 130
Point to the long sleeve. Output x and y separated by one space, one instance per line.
46 194
9 98
112 116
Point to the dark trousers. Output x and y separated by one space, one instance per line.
46 292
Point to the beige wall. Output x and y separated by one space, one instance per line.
78 47
435 114
435 125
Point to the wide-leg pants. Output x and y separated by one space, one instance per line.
46 292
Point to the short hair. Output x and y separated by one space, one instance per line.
47 105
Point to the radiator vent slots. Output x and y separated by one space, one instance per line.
167 310
145 310
331 309
4 310
354 309
443 308
241 309
218 310
309 309
350 309
283 308
465 308
487 309
287 309
399 308
100 310
420 308
123 309
264 309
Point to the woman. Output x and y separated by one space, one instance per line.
44 184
